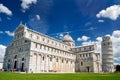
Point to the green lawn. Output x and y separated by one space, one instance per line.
56 76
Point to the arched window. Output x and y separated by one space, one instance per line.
103 44
62 60
50 58
37 37
81 63
25 41
9 60
67 61
43 39
31 35
20 50
57 60
83 55
23 59
43 58
15 57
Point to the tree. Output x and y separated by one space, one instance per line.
117 68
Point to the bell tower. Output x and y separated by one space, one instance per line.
107 55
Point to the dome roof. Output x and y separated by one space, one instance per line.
67 38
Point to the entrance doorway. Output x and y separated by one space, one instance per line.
15 64
88 68
22 68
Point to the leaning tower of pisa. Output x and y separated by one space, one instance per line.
107 54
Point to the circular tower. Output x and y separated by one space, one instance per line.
67 39
107 54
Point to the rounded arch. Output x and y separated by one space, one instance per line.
81 63
15 57
23 59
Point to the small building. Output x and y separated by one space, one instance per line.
87 59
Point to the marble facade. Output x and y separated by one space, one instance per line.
35 52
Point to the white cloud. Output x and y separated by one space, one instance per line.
99 38
1 32
116 45
2 52
4 9
101 21
91 28
38 17
59 36
8 18
26 4
116 42
112 12
88 24
83 38
88 42
79 39
117 60
116 34
9 33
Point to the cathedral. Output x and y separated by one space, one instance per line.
35 52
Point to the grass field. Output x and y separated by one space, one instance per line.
56 76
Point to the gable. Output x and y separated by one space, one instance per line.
20 28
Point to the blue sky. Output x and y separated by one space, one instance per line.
86 20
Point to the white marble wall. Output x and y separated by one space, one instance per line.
1 65
87 60
55 64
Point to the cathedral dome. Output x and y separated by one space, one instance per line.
67 38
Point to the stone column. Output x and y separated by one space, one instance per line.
40 61
36 64
47 63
